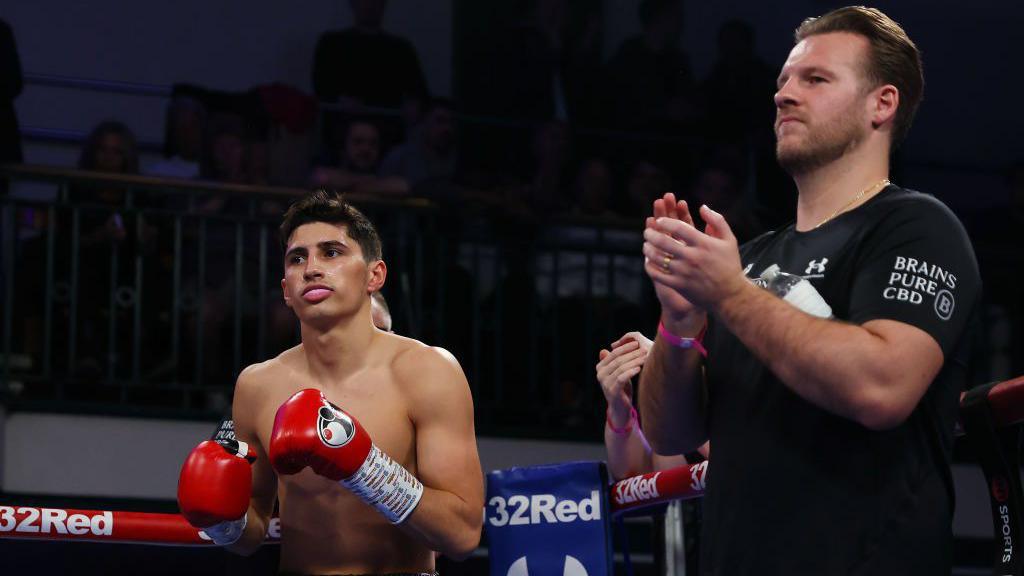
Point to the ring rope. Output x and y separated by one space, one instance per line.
110 526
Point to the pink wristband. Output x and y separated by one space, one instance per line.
625 429
685 343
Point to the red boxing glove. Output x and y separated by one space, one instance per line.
310 431
216 482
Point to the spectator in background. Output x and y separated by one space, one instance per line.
649 77
593 190
231 158
741 113
649 90
541 65
740 86
107 231
550 173
366 66
645 184
357 170
224 160
720 188
110 148
10 87
430 153
183 139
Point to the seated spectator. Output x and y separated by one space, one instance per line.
645 184
106 230
183 139
224 160
720 189
593 190
110 148
549 175
230 158
430 153
357 171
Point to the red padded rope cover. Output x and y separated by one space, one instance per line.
30 522
1007 401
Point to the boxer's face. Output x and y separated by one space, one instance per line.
822 101
325 273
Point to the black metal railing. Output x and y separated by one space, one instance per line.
132 292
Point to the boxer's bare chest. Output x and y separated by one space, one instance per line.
372 396
312 508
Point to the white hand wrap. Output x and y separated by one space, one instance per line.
226 533
386 485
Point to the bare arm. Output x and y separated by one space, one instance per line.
449 515
628 451
672 399
874 373
672 396
264 481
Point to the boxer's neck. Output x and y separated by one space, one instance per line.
340 350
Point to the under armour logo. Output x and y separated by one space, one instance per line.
815 267
573 567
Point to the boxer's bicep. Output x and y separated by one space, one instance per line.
446 451
245 408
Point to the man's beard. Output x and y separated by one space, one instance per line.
822 145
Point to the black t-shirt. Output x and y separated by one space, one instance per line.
795 489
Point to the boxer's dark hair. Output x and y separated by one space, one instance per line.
323 205
892 59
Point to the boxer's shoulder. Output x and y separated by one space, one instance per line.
427 375
256 381
413 359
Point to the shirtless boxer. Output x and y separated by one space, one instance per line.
379 390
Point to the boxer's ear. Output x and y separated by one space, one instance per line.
284 292
378 273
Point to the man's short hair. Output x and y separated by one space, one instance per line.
325 205
892 59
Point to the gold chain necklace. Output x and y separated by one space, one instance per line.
876 186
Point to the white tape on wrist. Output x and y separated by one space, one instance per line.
386 485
